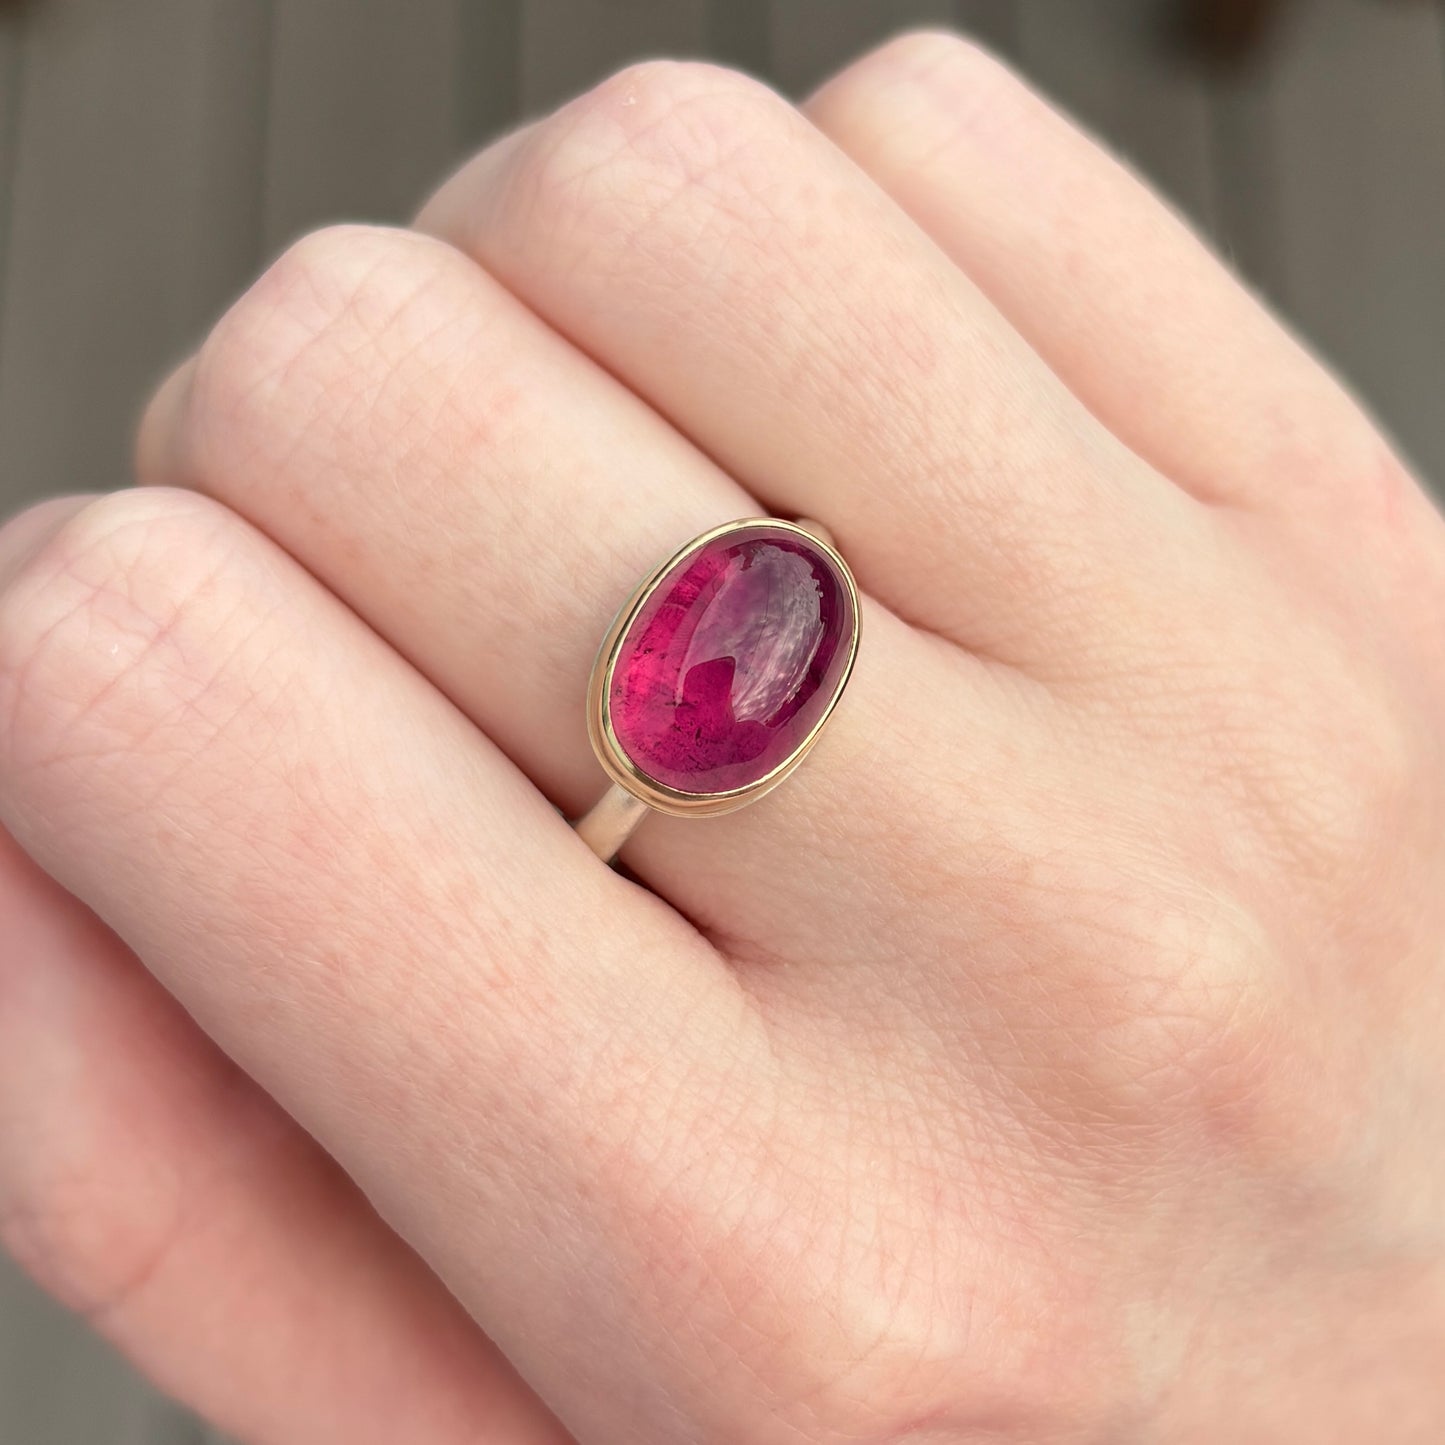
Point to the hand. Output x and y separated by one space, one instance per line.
1056 1057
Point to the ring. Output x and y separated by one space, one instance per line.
718 674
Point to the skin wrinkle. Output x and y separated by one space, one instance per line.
269 339
139 636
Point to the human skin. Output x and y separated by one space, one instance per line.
1056 1057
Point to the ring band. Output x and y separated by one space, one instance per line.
718 674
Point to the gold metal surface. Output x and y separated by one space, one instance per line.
611 821
821 533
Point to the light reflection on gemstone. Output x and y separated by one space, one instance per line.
732 660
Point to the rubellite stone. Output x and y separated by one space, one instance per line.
733 659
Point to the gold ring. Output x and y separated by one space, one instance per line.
718 674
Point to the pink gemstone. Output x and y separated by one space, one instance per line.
732 661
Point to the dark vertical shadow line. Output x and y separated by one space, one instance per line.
11 72
1242 137
487 82
1220 140
737 35
265 87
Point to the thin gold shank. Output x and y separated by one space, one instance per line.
615 762
611 821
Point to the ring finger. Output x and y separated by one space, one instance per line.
484 496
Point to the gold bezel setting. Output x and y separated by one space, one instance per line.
615 761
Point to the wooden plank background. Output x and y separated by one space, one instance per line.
154 153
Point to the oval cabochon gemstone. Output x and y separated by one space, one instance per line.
732 660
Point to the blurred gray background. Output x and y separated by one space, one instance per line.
154 154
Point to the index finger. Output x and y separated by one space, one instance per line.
514 1051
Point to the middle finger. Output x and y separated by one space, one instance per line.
697 236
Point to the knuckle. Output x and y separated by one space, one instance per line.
621 155
926 55
100 600
293 347
93 1252
1201 1047
672 111
1217 1069
1381 758
955 71
1343 794
852 1366
1172 1010
1187 1010
1384 485
1319 763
